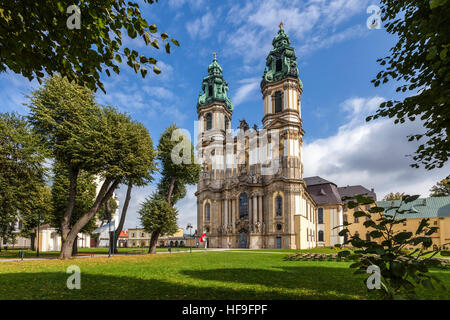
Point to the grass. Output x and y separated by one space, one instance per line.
201 275
14 254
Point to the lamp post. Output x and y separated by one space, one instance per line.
38 233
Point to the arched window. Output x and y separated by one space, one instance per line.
320 216
243 206
321 236
279 206
210 91
356 234
227 123
207 212
279 227
278 65
278 101
208 121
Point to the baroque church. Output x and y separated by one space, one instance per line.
251 192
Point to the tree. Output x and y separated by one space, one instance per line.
22 171
441 189
393 196
173 146
86 192
421 62
40 41
85 137
158 217
401 271
38 212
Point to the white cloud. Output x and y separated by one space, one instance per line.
371 154
248 87
201 27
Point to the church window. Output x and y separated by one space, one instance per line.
210 91
278 101
279 206
207 212
227 123
279 227
208 121
321 236
243 206
278 65
320 216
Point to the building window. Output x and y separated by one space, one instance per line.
278 65
227 123
356 220
435 223
207 212
356 234
132 235
404 223
367 207
210 91
208 121
320 216
320 236
345 218
243 206
278 101
142 235
279 227
279 206
345 209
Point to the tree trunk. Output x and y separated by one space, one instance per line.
172 186
122 219
65 223
104 194
153 241
33 239
75 246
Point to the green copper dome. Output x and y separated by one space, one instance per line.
214 87
281 61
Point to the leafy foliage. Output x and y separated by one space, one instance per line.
441 189
401 271
394 196
22 171
420 61
39 41
157 215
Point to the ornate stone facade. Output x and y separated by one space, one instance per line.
251 193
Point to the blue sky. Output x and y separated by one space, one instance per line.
337 56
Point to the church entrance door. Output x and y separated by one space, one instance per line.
243 239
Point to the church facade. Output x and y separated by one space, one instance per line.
251 193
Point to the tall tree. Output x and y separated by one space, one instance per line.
86 137
22 171
420 61
394 196
158 217
441 189
39 212
43 37
86 192
175 175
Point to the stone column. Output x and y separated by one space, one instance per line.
260 208
225 222
233 213
250 211
255 209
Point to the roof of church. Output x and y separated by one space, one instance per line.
322 191
311 181
351 191
434 207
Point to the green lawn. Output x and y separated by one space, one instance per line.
200 275
13 254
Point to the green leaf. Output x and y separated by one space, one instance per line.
143 72
136 66
147 38
155 44
156 70
118 58
167 47
164 35
437 3
153 28
344 253
175 42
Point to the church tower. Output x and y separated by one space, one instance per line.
282 90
